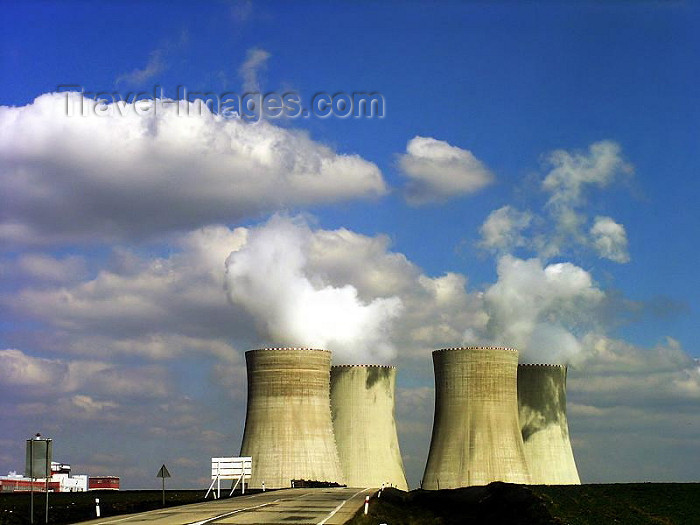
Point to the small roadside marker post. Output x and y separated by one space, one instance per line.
97 507
163 473
366 504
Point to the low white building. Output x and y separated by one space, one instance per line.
60 481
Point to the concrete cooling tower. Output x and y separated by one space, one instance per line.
362 407
476 435
288 430
545 430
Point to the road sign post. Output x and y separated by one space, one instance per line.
163 473
38 465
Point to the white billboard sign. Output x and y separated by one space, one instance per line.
239 469
231 468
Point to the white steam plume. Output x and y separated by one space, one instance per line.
292 306
543 311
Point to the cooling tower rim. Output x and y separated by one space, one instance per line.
288 348
362 366
453 348
543 365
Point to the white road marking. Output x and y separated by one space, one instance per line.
222 516
115 521
226 515
339 507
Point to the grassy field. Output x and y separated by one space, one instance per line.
657 503
71 507
505 504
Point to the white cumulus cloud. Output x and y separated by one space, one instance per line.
563 222
572 173
502 230
19 369
610 239
38 376
568 183
121 175
438 171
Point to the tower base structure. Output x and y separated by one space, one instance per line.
476 435
362 407
288 429
544 425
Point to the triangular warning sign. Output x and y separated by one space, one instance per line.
163 472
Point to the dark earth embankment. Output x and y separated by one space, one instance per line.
506 504
72 507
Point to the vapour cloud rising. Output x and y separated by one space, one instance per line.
293 306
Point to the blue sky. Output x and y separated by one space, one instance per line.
532 184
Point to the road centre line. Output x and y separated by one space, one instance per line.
339 506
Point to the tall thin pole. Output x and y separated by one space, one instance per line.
31 504
31 483
163 491
47 500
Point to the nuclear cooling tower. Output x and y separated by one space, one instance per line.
476 435
288 429
545 430
362 407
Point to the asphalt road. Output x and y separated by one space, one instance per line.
331 506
